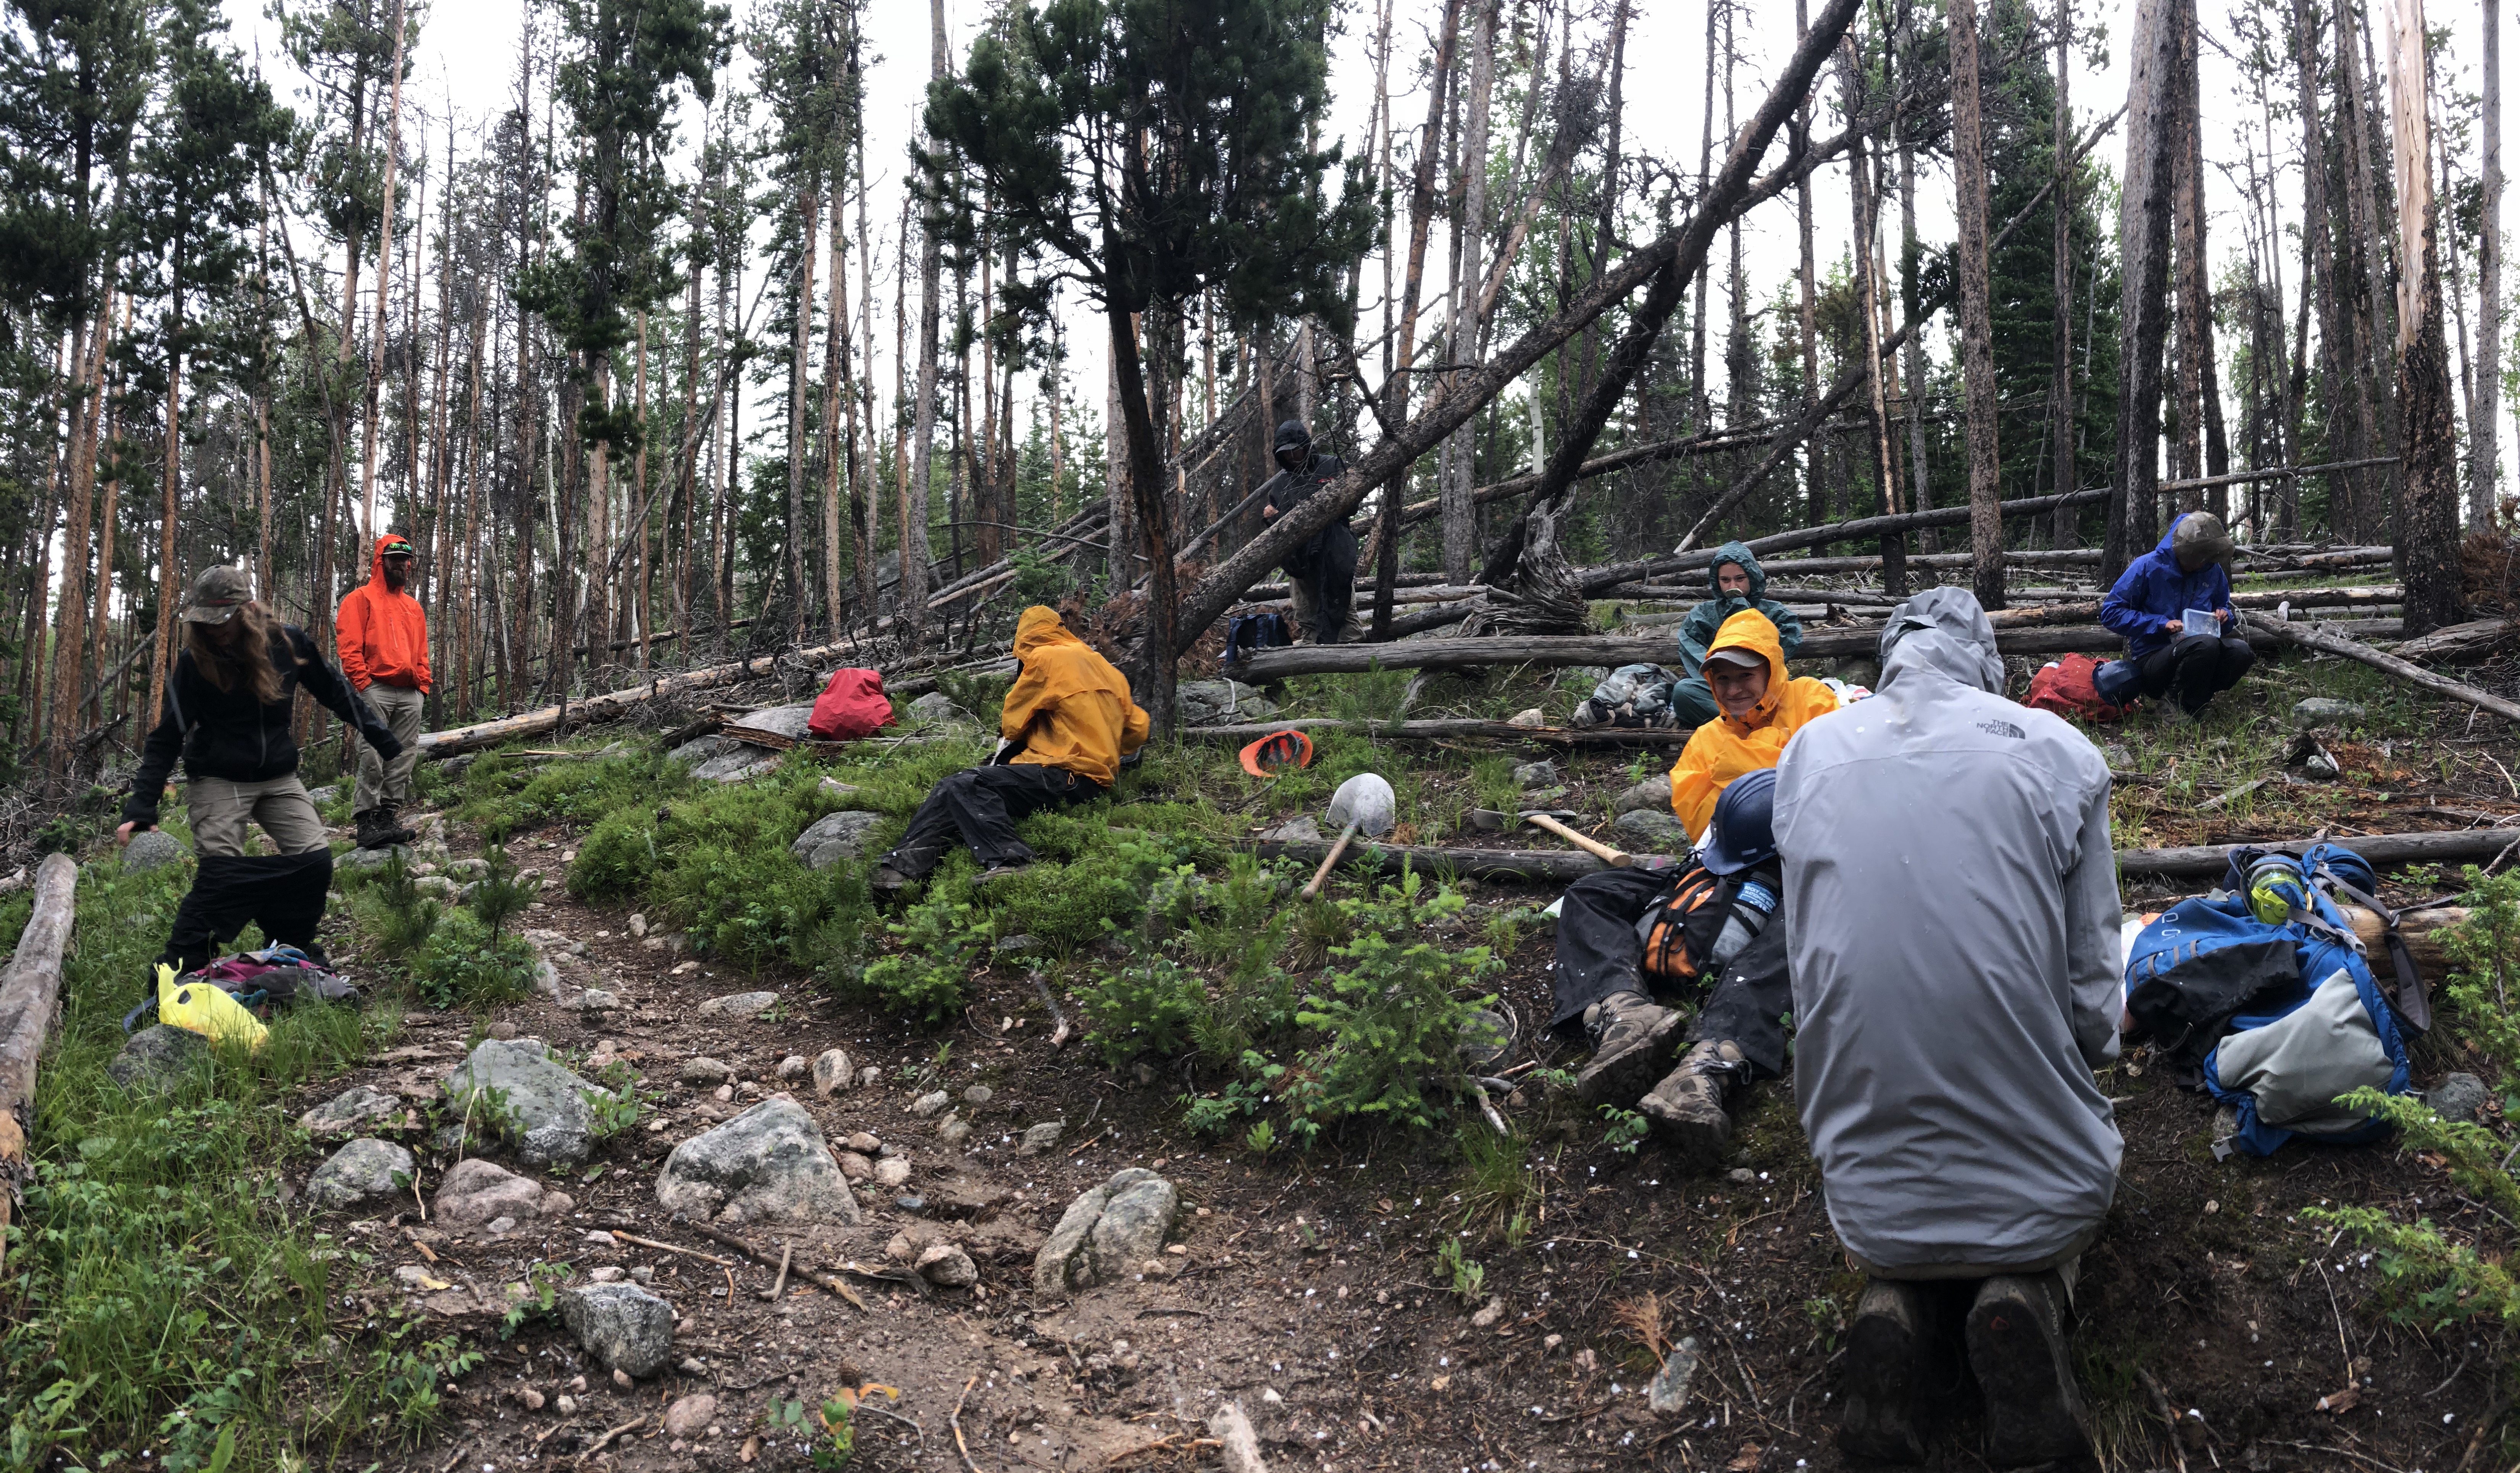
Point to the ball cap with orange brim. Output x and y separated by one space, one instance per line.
1276 750
217 593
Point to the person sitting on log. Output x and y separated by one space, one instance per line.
1736 583
1067 723
1758 710
1322 574
229 702
1954 960
2149 605
1622 931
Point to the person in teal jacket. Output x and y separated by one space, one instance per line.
1736 583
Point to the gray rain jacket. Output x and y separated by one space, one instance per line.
1954 960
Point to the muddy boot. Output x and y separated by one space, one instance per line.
901 869
2016 1346
391 829
1691 1109
1885 1359
1632 1042
374 828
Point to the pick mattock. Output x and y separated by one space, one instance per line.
1363 801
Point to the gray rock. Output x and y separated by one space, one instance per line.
929 1103
360 1172
623 1326
701 1069
778 721
1219 703
768 1164
978 1094
468 870
1530 775
516 1087
434 887
1490 1314
2322 711
690 1416
1016 945
154 849
735 1008
1486 1038
2458 1096
1668 1391
1652 794
475 1191
596 1000
699 749
830 1072
1107 1233
937 708
834 837
954 1132
948 1267
156 1057
1041 1138
369 858
1648 830
838 788
320 796
738 763
2321 767
793 1067
355 1109
1295 831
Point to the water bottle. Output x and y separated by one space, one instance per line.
1752 904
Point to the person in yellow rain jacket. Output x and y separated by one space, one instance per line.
1067 723
1761 709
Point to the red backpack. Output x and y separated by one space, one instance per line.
2068 689
852 705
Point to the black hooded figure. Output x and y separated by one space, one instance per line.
1322 571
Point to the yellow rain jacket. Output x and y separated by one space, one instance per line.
1069 708
1724 748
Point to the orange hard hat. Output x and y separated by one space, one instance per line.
1276 750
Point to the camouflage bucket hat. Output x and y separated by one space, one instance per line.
217 595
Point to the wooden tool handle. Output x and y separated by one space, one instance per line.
1616 859
1328 860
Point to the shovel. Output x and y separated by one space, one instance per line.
1363 801
1548 818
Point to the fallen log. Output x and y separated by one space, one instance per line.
1466 863
2462 644
2321 638
31 995
611 706
1558 650
2457 846
1611 574
2423 933
1443 728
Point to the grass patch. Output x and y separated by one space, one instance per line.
168 1298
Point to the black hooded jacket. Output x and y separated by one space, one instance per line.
231 735
1287 487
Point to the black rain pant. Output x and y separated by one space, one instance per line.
1323 573
1598 953
282 893
2195 668
980 806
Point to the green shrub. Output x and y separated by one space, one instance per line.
505 793
393 911
468 965
1389 1021
942 941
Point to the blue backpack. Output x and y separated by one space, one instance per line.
2276 1019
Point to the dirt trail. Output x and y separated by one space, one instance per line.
1303 1287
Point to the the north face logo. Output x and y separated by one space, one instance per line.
2002 729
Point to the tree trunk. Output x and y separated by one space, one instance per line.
1460 514
2060 373
1152 680
1807 282
2484 454
2143 248
2428 476
799 346
1867 206
835 451
385 271
170 524
70 629
1977 320
2364 303
2188 261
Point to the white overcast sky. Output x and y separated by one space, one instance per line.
466 61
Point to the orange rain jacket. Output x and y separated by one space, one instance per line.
1069 707
1725 748
383 635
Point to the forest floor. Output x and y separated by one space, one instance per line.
1312 1285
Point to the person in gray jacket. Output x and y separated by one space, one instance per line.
1955 967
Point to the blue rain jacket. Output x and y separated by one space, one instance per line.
2153 589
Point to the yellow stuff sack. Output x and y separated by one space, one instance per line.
204 1010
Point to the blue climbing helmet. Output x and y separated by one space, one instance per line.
1743 832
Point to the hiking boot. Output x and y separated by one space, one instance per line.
392 828
2016 1346
1885 1358
374 828
885 880
1632 1042
1691 1109
994 872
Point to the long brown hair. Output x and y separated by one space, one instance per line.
246 657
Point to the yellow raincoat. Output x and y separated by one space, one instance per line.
1069 707
1724 748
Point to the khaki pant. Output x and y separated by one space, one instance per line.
220 810
382 782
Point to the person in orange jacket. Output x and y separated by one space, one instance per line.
1066 724
383 645
1759 711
